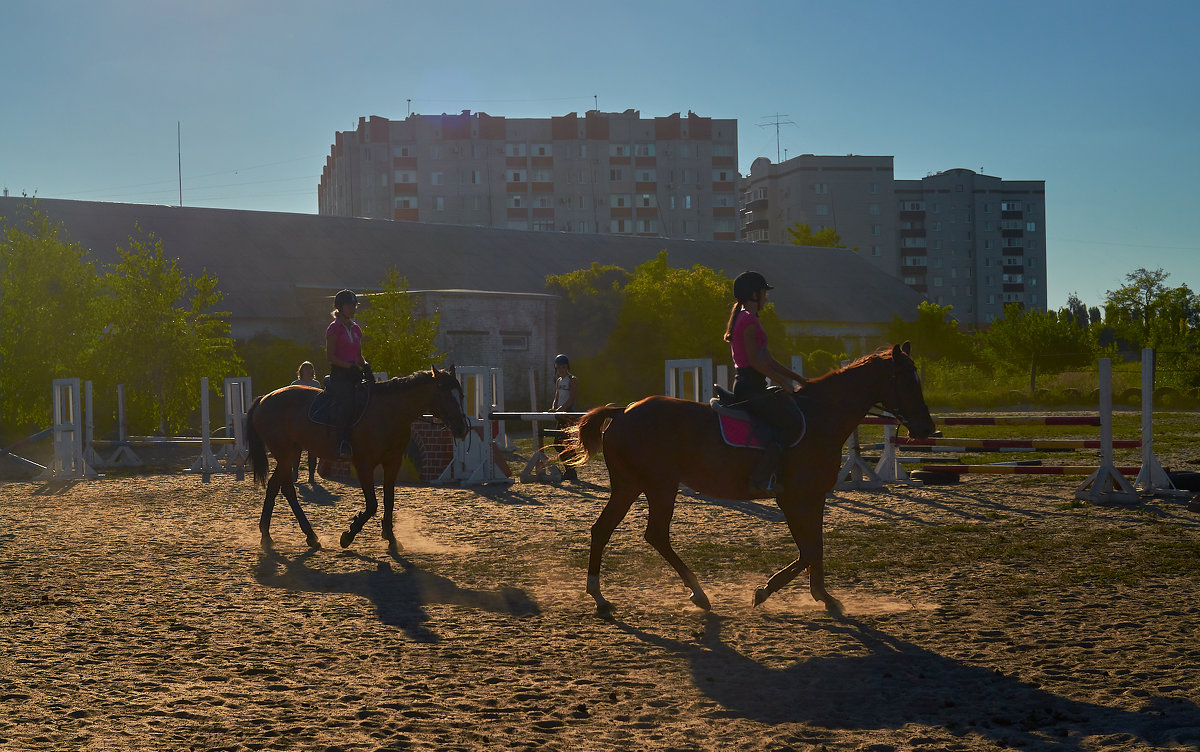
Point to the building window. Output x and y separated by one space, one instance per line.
1010 206
822 210
476 177
721 176
517 176
1031 227
545 201
614 174
876 250
406 202
646 176
621 200
873 210
647 225
514 150
406 176
543 150
874 187
435 152
402 151
543 225
437 178
619 226
687 201
647 199
618 150
514 341
643 150
515 201
821 188
876 230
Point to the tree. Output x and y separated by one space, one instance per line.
665 313
163 335
1037 339
395 339
50 320
591 305
802 234
1146 313
935 334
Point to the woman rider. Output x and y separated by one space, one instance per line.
347 367
753 364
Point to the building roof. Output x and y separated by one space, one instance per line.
267 263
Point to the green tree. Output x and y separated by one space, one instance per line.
50 322
1146 313
591 303
802 234
935 334
163 335
666 313
395 338
1037 340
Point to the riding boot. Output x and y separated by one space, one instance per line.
762 478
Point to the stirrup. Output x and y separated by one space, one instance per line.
344 450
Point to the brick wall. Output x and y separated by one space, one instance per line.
436 446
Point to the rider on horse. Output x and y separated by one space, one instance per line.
753 364
347 367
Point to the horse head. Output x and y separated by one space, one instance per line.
904 399
448 402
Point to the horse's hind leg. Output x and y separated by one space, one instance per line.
658 535
619 502
390 470
366 479
283 480
264 520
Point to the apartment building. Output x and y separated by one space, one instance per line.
852 194
974 241
604 172
961 238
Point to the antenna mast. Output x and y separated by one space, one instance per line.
777 122
179 157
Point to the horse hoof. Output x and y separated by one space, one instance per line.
834 606
347 539
700 599
761 594
267 543
604 609
314 542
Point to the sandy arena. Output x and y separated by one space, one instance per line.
142 612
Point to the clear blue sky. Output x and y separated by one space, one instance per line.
1100 99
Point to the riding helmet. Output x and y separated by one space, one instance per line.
344 298
562 360
748 283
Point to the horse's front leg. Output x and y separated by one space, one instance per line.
804 516
366 479
658 535
390 471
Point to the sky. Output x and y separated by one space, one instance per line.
122 100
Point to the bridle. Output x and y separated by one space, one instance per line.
891 412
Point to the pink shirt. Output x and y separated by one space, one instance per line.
745 319
349 340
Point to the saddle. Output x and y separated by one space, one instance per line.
738 427
323 410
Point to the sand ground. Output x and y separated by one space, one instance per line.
142 612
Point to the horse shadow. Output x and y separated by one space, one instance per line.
399 596
898 683
314 493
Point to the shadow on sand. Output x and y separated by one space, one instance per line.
399 596
899 683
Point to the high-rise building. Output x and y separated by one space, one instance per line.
612 173
972 241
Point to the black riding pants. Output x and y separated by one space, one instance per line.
773 406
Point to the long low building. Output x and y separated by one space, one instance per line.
279 271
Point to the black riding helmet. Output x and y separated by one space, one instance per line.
748 283
562 360
344 298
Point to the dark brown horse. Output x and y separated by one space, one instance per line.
279 422
654 445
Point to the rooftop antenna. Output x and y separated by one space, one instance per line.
777 122
596 99
179 157
410 107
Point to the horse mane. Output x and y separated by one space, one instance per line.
403 383
882 352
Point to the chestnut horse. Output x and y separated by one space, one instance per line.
654 445
279 422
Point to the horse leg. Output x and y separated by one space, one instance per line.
390 470
289 491
366 479
619 501
658 535
804 522
264 520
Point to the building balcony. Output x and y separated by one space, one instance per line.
1012 233
912 233
1017 287
912 216
1012 215
755 224
758 204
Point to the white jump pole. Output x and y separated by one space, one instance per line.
206 463
1107 485
1151 478
124 455
68 461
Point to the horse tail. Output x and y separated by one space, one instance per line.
258 450
584 438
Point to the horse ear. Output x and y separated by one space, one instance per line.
906 348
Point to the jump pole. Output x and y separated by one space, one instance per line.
1151 478
124 455
206 463
68 461
1106 485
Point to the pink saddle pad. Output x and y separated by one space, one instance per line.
736 432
